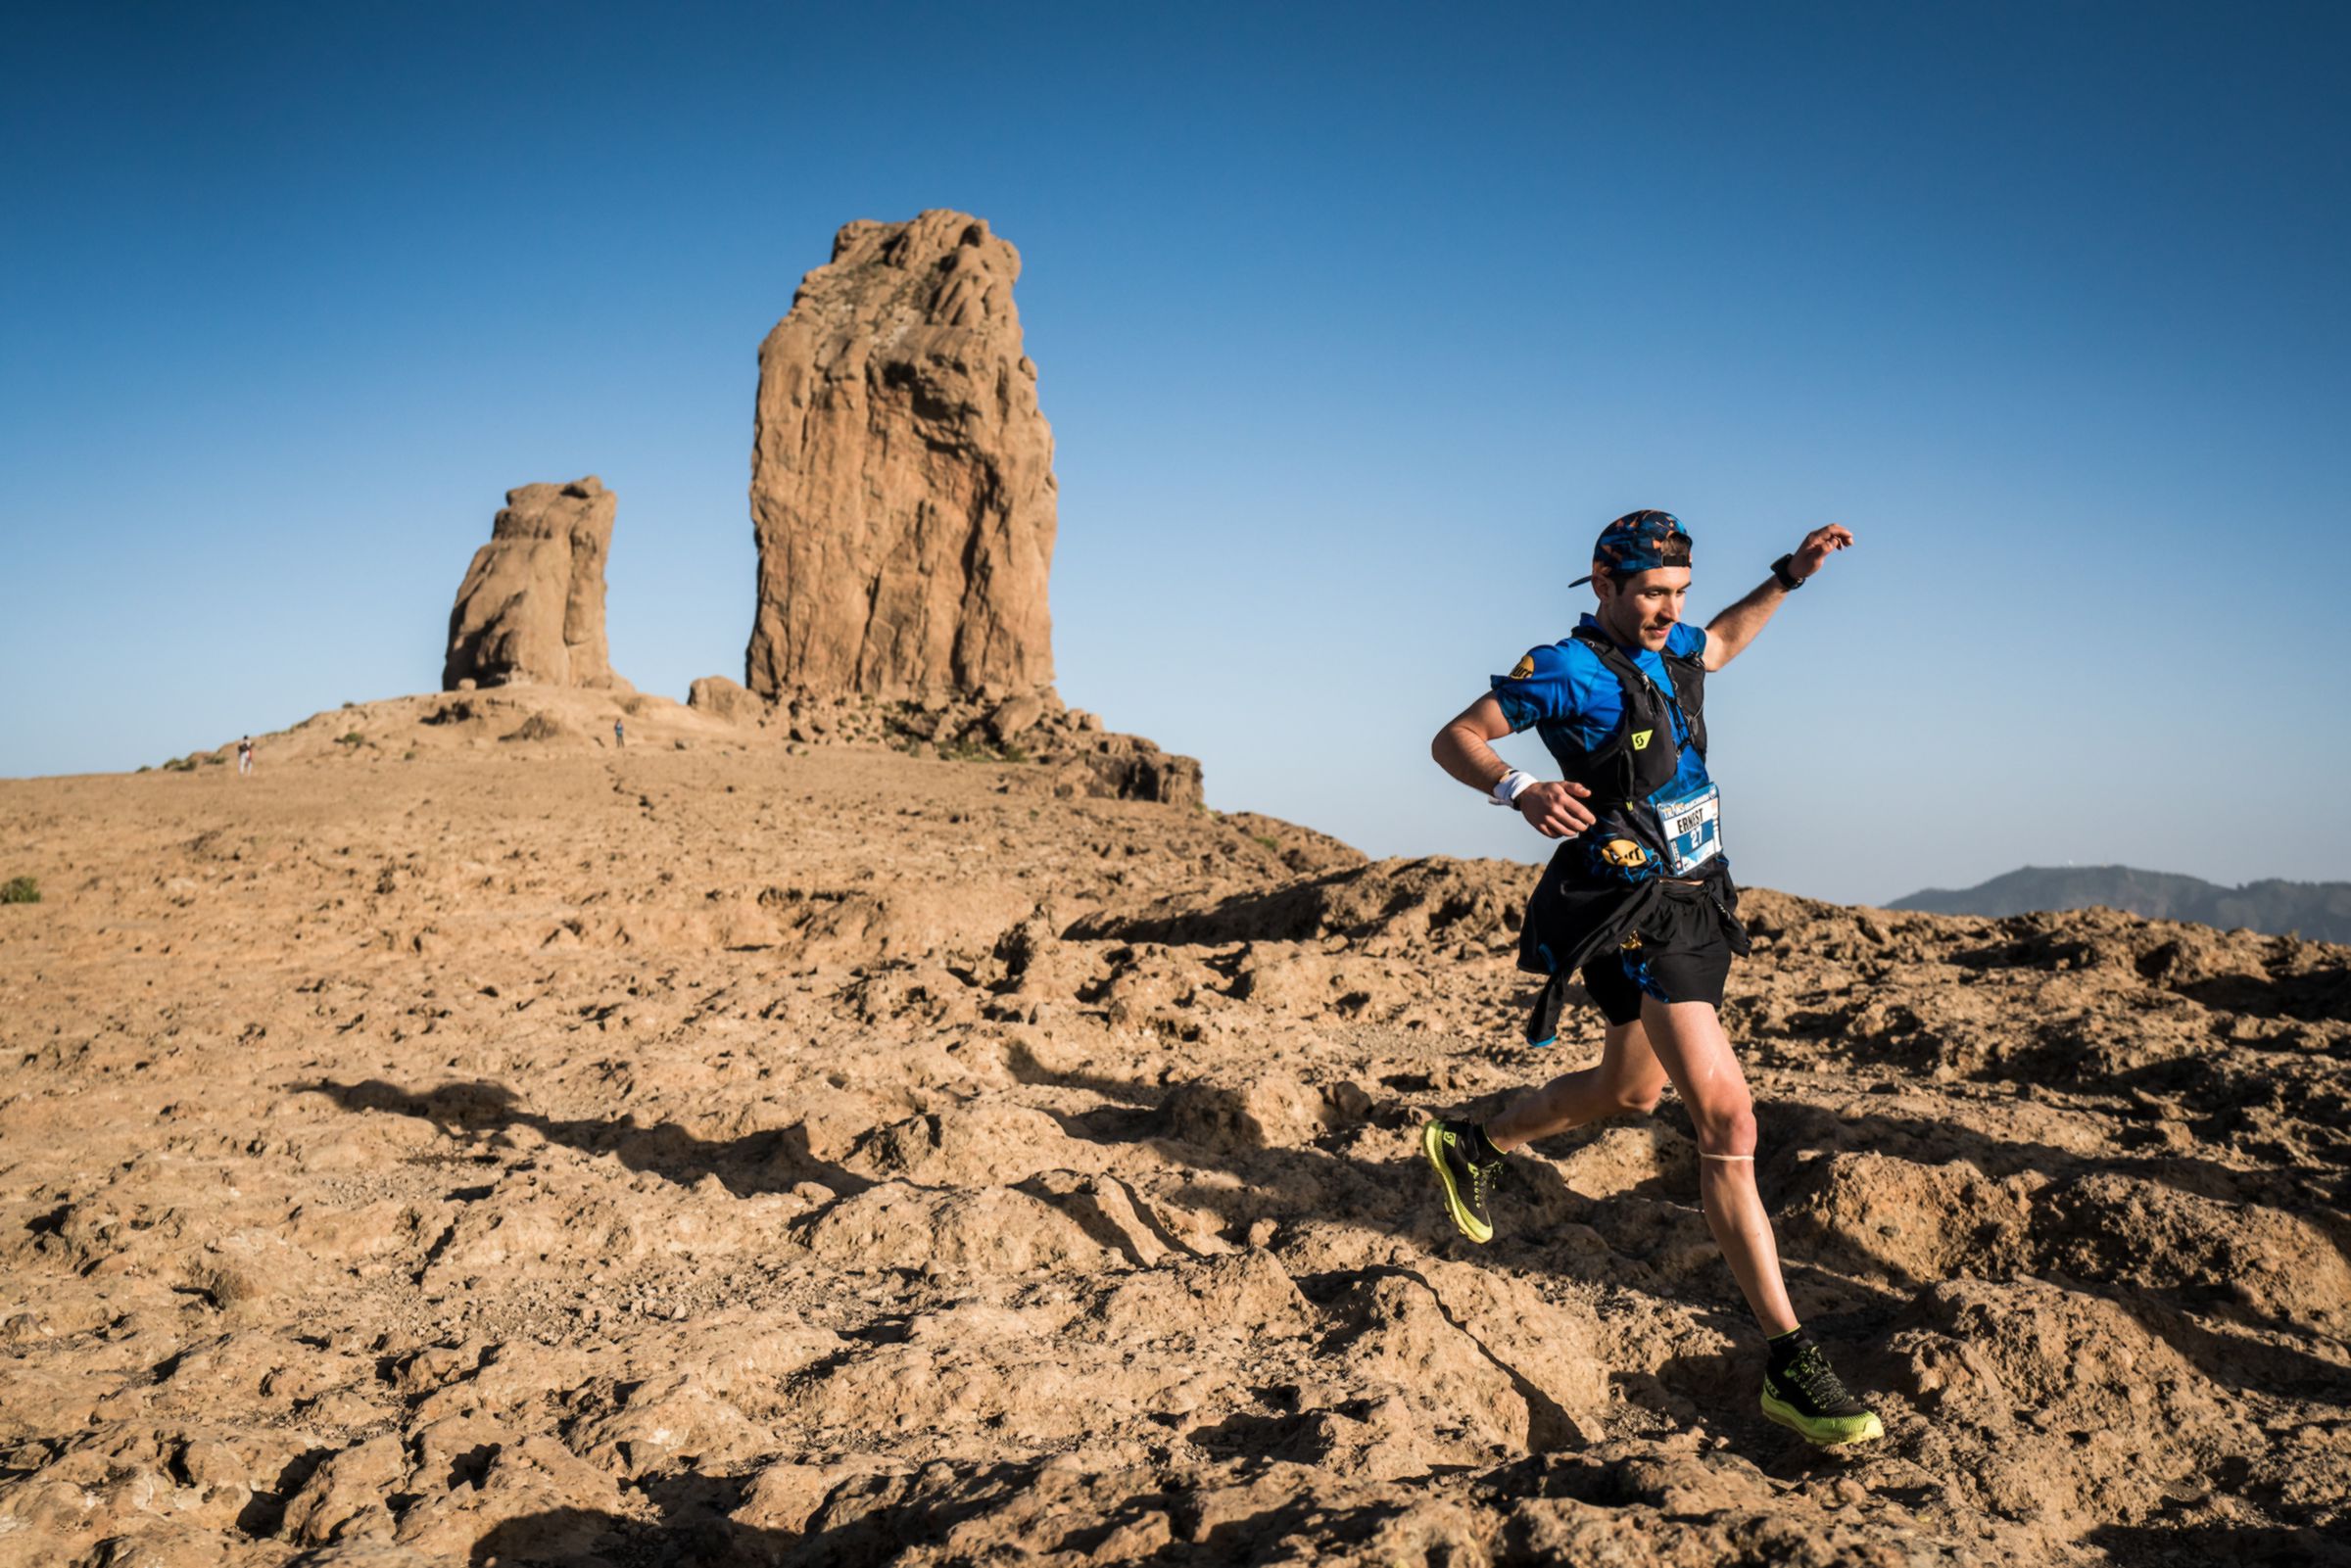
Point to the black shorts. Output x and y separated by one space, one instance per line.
1681 952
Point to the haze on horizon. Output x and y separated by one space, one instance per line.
1352 324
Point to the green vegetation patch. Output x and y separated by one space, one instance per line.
964 751
19 890
979 751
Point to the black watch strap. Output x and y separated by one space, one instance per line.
1783 576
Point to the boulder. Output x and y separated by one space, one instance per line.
532 606
902 492
539 727
721 699
1014 719
1141 772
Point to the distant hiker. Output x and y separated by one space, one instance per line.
620 736
245 756
1640 898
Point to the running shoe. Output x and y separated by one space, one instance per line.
1807 1397
1467 1182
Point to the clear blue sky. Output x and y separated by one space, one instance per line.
1353 326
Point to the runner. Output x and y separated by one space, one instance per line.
1640 898
245 756
620 736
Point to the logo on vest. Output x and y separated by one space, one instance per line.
1641 740
1623 854
1523 668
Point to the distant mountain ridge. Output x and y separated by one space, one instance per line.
2317 911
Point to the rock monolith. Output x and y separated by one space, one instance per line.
532 606
902 490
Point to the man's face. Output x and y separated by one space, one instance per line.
1642 609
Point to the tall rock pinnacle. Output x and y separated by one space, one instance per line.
902 489
532 605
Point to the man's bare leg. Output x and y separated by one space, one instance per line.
1466 1158
1626 1081
1682 1041
1801 1390
1687 1041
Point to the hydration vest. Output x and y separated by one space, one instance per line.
1642 757
1575 916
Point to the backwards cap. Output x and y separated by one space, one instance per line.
1638 541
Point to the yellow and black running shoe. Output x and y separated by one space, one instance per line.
1805 1397
1468 1181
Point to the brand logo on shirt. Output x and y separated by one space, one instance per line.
1523 668
1641 740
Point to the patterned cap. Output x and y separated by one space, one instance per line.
1638 541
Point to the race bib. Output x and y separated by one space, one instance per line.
1692 829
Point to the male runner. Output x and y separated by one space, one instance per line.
1640 898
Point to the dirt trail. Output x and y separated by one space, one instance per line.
531 1151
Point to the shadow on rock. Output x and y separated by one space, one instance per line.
2162 1546
1436 899
899 1517
578 1538
2075 1230
1296 1152
1280 1139
775 1160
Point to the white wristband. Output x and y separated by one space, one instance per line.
1510 786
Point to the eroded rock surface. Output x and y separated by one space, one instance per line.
1071 752
902 489
531 608
438 1150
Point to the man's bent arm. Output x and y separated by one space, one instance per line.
1464 749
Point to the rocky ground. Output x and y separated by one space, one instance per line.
444 1148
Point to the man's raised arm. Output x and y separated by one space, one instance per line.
1729 633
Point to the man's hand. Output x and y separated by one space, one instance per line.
1729 633
1555 810
1818 545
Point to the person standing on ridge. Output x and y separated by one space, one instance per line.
244 756
1639 897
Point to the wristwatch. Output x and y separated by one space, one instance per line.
1783 576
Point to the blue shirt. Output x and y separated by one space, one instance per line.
1567 696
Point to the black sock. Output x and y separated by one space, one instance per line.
1782 1348
1481 1147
